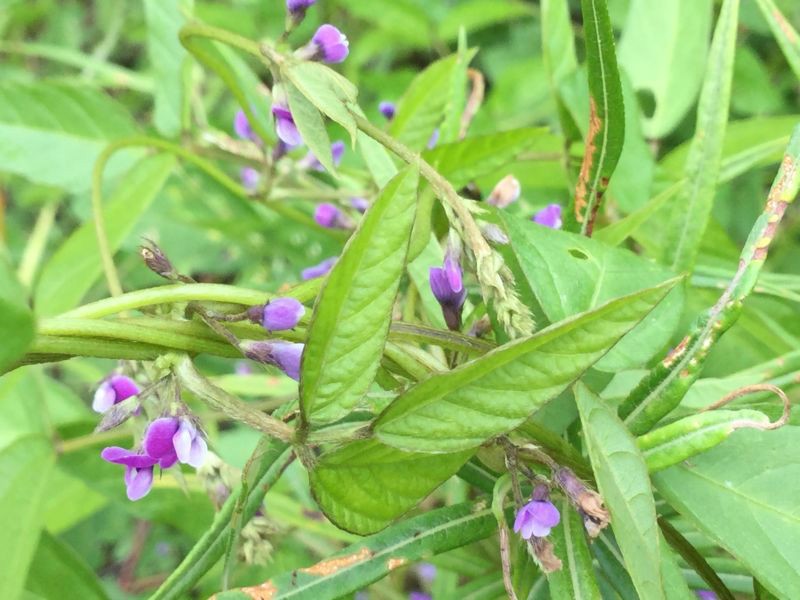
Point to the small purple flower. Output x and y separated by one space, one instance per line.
138 470
330 44
242 126
447 286
536 519
285 127
434 139
250 178
549 216
419 596
706 595
280 314
158 441
113 390
387 109
318 270
284 355
426 571
360 204
299 7
329 216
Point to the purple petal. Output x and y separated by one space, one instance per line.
122 456
298 6
326 215
387 109
104 397
360 204
544 513
331 43
337 152
138 482
282 313
158 439
418 596
453 271
242 126
197 455
124 387
426 571
521 518
182 440
434 139
440 286
249 178
549 216
706 595
287 356
318 270
285 127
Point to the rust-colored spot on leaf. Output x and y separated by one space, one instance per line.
265 591
328 567
588 160
395 563
675 353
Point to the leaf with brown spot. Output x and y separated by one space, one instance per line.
606 132
396 563
265 591
328 567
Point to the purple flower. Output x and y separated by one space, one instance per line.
285 127
434 139
418 596
158 443
360 204
426 571
310 161
284 355
387 109
242 126
280 314
706 595
113 390
329 216
536 519
505 192
330 44
298 7
549 216
318 270
250 178
138 470
189 444
447 286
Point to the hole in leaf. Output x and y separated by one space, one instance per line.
580 254
647 102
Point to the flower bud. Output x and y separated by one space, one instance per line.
284 125
587 501
387 109
113 390
318 270
298 8
327 44
360 204
549 216
284 355
329 216
505 192
448 288
249 178
157 261
278 314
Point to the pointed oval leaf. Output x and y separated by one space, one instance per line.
366 485
462 408
311 126
621 475
354 307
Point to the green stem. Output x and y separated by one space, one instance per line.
197 29
37 242
47 348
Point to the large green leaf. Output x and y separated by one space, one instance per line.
692 209
167 56
75 266
575 580
26 460
354 308
606 132
621 475
570 274
52 133
57 571
366 485
495 393
663 50
16 319
743 496
367 561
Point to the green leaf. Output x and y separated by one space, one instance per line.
366 485
421 109
783 31
167 57
354 307
42 124
331 93
575 580
360 564
74 267
57 571
570 274
691 211
311 126
663 49
475 157
26 460
16 320
606 133
743 496
623 482
488 396
558 41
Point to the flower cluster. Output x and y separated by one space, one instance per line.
167 441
